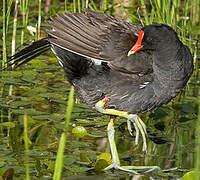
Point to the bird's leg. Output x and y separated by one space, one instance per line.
137 122
111 139
115 157
140 128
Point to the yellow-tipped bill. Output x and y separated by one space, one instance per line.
138 45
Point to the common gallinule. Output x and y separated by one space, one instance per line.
117 68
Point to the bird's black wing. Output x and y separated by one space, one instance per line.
100 36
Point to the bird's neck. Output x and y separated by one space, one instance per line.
169 65
166 56
172 66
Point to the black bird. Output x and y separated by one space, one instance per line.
116 68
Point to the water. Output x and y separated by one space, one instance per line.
41 92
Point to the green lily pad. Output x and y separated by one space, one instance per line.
68 161
100 165
192 175
2 163
79 131
103 160
84 158
46 135
7 124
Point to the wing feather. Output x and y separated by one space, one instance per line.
100 36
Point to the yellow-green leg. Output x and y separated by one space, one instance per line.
140 128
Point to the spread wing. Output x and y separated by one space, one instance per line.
100 36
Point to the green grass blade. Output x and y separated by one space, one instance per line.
61 148
92 5
26 144
14 27
74 5
70 106
4 33
59 158
79 6
8 13
145 12
24 11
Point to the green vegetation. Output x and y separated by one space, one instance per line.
61 148
26 145
33 99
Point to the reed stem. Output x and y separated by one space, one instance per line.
39 19
14 28
4 34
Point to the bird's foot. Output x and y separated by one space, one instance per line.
132 169
140 127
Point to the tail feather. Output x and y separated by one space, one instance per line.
28 53
74 65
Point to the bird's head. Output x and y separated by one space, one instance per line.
153 36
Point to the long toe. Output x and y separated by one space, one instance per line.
132 169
